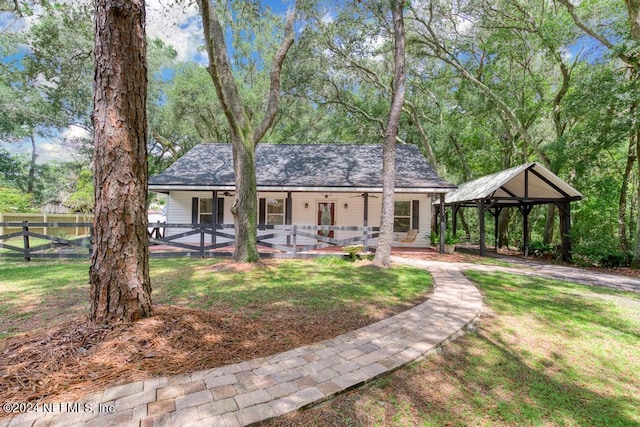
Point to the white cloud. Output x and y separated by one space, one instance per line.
74 132
48 151
178 25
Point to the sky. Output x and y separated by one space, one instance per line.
179 26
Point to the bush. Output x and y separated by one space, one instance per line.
601 255
540 249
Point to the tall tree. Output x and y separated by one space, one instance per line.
383 252
624 47
119 272
247 130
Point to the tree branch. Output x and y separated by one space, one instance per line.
632 60
274 89
220 68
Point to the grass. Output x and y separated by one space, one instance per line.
545 353
41 293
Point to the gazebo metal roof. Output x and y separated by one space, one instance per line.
521 187
527 184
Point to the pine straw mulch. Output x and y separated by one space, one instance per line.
74 359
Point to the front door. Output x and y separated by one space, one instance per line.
326 217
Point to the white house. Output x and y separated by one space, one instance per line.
332 185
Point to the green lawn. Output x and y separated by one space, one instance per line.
545 353
41 293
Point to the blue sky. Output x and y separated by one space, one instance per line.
179 26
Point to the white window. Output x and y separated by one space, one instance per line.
275 212
205 211
401 216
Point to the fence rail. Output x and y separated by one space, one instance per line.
198 240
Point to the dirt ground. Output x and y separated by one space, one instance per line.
73 359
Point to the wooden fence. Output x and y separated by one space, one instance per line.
198 240
48 219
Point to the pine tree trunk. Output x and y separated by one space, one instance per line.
119 272
244 208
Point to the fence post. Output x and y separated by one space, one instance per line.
1 221
90 240
295 239
201 240
25 237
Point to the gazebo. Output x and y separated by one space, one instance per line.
521 187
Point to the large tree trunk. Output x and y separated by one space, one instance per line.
245 134
622 201
119 272
383 251
636 253
244 208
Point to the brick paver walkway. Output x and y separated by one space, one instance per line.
260 389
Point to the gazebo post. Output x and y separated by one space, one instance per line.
454 226
443 224
481 211
525 210
565 227
496 224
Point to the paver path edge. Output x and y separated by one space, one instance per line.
256 390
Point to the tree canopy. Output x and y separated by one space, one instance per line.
489 85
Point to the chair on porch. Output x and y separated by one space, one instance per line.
410 237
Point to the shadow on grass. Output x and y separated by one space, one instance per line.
561 305
475 381
498 376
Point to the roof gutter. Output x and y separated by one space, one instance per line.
166 188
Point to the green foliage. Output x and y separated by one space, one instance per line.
82 197
14 200
353 251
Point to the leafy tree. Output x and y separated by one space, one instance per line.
246 129
383 252
14 200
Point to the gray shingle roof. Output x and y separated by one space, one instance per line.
301 166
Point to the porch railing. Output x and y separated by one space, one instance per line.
199 240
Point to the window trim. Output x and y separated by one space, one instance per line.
408 217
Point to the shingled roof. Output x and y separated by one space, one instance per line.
302 167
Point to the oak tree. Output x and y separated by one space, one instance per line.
383 252
246 128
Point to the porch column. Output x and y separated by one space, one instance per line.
214 216
481 211
443 224
288 209
365 220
